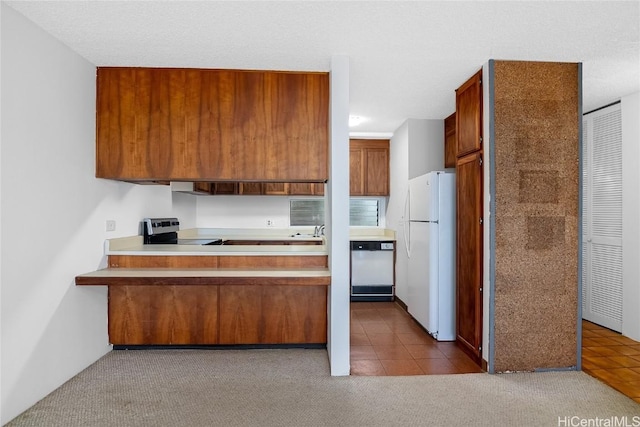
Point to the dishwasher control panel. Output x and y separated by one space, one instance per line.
371 246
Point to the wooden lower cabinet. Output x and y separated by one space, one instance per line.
273 314
163 315
211 315
255 313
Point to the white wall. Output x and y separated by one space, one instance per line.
242 211
398 184
417 147
630 108
53 215
426 146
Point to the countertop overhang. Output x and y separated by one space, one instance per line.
204 276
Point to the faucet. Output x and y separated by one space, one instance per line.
318 230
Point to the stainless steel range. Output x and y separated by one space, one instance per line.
164 231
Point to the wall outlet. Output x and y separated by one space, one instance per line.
270 223
111 225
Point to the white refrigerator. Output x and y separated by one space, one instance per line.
430 244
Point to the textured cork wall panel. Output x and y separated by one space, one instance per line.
536 145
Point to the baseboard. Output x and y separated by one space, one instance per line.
401 304
218 347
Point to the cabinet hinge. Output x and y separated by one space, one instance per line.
480 161
479 348
481 289
480 140
481 221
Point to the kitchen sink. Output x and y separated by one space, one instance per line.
306 236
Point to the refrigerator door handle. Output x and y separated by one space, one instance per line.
407 223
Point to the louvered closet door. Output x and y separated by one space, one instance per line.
602 218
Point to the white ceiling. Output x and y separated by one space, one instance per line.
406 57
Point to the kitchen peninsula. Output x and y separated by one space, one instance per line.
258 294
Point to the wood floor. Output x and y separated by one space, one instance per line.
611 358
385 340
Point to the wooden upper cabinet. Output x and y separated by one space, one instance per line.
469 116
276 188
228 188
356 171
469 254
306 189
369 167
250 188
211 125
450 141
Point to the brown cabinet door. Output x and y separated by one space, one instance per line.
377 176
295 314
306 189
157 124
469 208
469 116
134 112
300 188
241 319
276 188
252 188
356 171
163 315
369 167
450 141
203 187
224 187
273 314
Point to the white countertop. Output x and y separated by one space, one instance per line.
134 245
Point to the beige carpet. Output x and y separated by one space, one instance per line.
294 388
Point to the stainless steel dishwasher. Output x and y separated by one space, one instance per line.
372 271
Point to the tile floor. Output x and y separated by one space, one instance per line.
612 358
385 340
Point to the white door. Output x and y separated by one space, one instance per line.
602 218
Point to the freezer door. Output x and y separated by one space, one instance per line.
423 198
423 275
